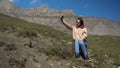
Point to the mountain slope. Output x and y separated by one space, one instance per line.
28 45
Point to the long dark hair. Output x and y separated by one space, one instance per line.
81 22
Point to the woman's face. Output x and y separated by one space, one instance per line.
77 22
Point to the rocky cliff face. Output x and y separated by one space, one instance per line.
8 8
50 17
45 11
5 6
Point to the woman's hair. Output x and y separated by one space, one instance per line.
81 22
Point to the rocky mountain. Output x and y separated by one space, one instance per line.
8 8
50 17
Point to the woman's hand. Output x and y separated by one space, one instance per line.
61 18
69 26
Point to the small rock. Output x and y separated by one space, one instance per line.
69 43
73 67
63 40
59 63
51 64
68 64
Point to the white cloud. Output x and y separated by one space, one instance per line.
42 4
11 0
33 1
14 0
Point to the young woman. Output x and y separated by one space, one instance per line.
79 35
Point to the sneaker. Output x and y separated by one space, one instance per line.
79 59
88 59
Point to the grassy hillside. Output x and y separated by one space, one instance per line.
104 50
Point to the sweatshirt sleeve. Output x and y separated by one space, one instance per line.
84 34
67 25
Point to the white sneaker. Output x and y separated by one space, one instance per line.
79 59
89 60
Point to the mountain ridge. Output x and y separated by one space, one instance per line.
50 17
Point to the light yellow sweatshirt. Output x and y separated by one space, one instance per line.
78 33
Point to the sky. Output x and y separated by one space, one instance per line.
109 9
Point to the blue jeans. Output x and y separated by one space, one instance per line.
85 42
80 45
